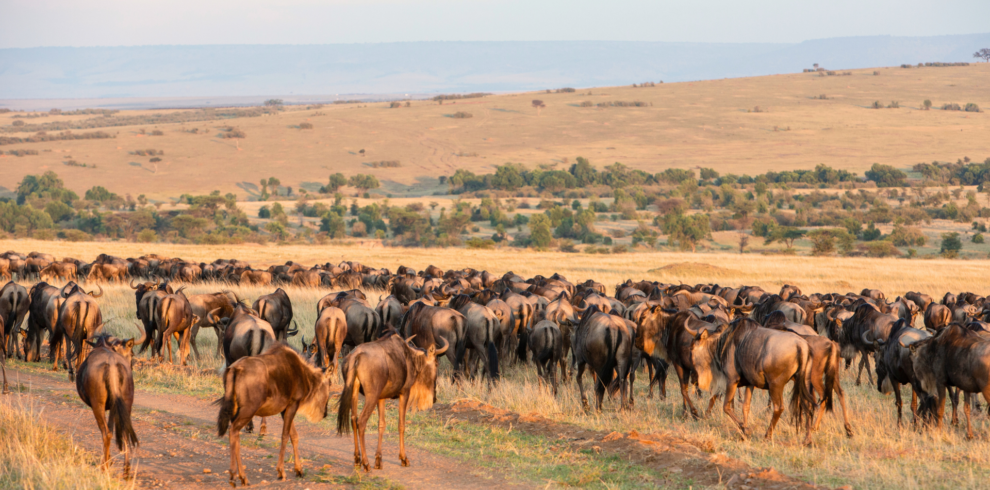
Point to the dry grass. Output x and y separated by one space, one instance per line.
688 124
34 455
880 455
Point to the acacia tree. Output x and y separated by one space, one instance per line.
983 54
274 183
538 104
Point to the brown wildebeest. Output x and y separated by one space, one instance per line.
147 295
547 345
561 312
894 368
858 333
278 381
105 383
79 318
507 324
605 343
920 299
253 277
14 305
937 316
175 317
330 332
954 357
276 309
59 270
362 321
386 369
744 354
246 334
43 315
428 323
675 332
222 306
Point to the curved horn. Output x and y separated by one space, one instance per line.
866 341
211 316
144 335
131 284
97 295
443 349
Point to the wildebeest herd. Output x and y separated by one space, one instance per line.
717 339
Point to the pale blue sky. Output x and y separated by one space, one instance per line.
31 23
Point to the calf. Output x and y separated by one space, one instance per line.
105 382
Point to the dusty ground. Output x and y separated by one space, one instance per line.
709 123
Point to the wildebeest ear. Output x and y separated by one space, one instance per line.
703 334
129 344
92 343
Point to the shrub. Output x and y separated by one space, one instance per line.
952 106
265 212
566 90
305 125
587 103
951 245
147 235
231 132
619 103
480 243
462 115
76 235
877 104
155 160
894 105
978 238
395 105
904 236
927 104
157 132
882 248
17 123
886 175
971 107
385 164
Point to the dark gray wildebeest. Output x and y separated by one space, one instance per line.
920 299
547 344
278 381
43 315
954 357
276 309
3 357
14 305
147 295
105 383
674 331
604 343
481 327
390 311
858 333
363 323
745 355
79 319
430 323
894 368
386 369
561 312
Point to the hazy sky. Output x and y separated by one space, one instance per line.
30 23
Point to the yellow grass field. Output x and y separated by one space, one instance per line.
684 125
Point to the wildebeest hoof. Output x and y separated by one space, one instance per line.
300 474
281 473
378 461
366 467
405 462
849 432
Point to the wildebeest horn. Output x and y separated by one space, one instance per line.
97 295
865 340
131 284
144 334
443 349
293 331
211 317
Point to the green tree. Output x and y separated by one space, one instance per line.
951 245
264 212
274 183
784 234
978 238
584 172
337 181
886 176
508 177
333 225
708 174
686 230
363 182
822 242
539 231
278 230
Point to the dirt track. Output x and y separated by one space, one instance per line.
179 443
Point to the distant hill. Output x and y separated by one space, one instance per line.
431 67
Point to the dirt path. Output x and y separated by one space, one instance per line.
179 447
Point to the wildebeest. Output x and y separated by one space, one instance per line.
858 333
481 329
329 334
105 383
246 334
386 369
744 354
547 345
221 304
43 313
604 343
14 305
276 309
174 317
79 319
389 311
362 322
428 323
953 357
894 368
277 381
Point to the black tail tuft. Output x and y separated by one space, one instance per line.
492 360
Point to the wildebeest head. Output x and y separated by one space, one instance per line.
424 364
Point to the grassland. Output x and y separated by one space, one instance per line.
684 125
879 456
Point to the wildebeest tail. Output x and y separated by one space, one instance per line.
547 351
492 351
607 373
120 413
523 344
228 404
160 340
802 402
831 375
348 398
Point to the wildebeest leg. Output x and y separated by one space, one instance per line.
580 383
940 412
236 468
898 402
297 463
184 346
287 416
730 393
98 403
747 399
381 434
862 363
777 398
684 378
3 367
632 379
954 393
219 341
845 411
370 395
403 402
264 428
967 407
914 406
711 403
192 340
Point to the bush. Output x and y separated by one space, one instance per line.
265 212
395 105
147 235
978 238
462 115
76 235
157 132
305 125
894 105
18 123
951 245
882 248
951 107
971 107
877 104
480 243
886 176
587 103
385 164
